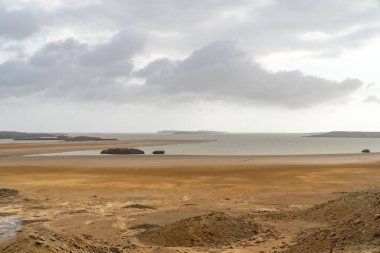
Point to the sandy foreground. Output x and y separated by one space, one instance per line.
113 203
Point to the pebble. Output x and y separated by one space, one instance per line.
38 242
259 240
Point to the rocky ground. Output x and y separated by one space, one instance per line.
350 223
5 193
210 230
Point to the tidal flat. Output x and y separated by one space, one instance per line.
133 203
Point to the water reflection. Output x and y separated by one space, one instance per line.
73 153
9 226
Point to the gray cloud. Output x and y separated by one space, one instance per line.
264 26
59 53
122 46
372 99
18 24
268 24
221 71
218 71
72 70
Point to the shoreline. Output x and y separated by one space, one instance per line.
18 149
191 160
40 149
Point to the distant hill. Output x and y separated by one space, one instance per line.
22 135
190 132
347 134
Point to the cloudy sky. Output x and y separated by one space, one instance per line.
144 66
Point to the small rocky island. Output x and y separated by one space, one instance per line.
27 136
158 152
366 151
21 136
85 138
346 134
122 151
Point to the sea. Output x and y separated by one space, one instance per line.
245 144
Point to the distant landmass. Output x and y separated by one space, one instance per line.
347 134
22 136
85 138
190 132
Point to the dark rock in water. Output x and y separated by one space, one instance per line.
158 152
366 151
123 151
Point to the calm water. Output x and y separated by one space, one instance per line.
248 144
9 227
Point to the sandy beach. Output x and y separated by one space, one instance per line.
104 199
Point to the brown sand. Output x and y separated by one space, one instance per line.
85 196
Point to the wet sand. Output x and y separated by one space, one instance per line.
86 195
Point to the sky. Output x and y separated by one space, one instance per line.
144 66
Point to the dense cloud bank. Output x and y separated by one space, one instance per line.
266 25
219 71
64 53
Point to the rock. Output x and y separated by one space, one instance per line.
366 151
356 215
4 192
213 229
115 250
139 206
158 152
145 226
123 151
259 240
39 243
